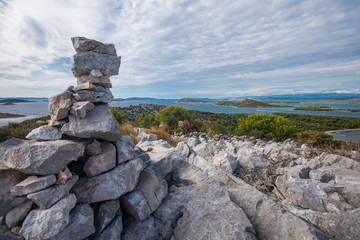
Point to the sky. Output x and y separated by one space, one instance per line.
185 48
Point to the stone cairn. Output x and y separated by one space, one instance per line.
69 180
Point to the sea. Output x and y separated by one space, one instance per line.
40 108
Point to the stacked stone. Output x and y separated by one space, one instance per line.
68 180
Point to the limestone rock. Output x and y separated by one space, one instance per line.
99 95
109 185
42 158
225 161
98 123
93 148
124 152
80 109
103 162
150 228
8 179
146 137
59 105
95 73
81 224
48 197
44 224
84 62
128 140
146 197
84 86
32 184
82 44
45 133
114 229
107 213
17 214
101 80
106 48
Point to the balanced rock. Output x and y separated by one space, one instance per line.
84 62
101 80
82 44
99 123
103 162
120 180
80 109
59 105
44 224
47 133
32 184
99 95
42 158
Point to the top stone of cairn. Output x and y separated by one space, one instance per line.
92 54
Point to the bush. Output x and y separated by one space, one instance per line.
314 138
171 115
118 115
266 126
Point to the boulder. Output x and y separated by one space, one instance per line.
101 80
59 105
82 44
150 228
81 224
48 197
124 152
99 123
42 158
99 95
44 224
93 148
80 109
17 214
47 133
84 62
107 212
103 162
225 161
146 197
8 179
109 185
84 86
146 137
32 184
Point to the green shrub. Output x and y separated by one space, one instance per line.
118 115
171 115
314 138
266 126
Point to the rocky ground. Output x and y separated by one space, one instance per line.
133 112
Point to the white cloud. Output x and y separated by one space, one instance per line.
214 46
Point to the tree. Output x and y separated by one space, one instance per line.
171 115
266 126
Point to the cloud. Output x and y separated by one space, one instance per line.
181 48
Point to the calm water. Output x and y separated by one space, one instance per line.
351 136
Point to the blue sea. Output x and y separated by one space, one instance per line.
40 108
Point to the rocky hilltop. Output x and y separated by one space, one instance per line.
79 178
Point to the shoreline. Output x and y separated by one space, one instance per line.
342 130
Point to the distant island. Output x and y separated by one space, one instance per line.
324 108
250 103
191 100
8 101
10 115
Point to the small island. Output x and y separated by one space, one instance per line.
191 100
250 103
10 115
324 108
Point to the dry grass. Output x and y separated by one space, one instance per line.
129 131
161 133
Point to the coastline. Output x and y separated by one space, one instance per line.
343 130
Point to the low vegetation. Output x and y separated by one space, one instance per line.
324 108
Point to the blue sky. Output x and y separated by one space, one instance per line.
185 48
